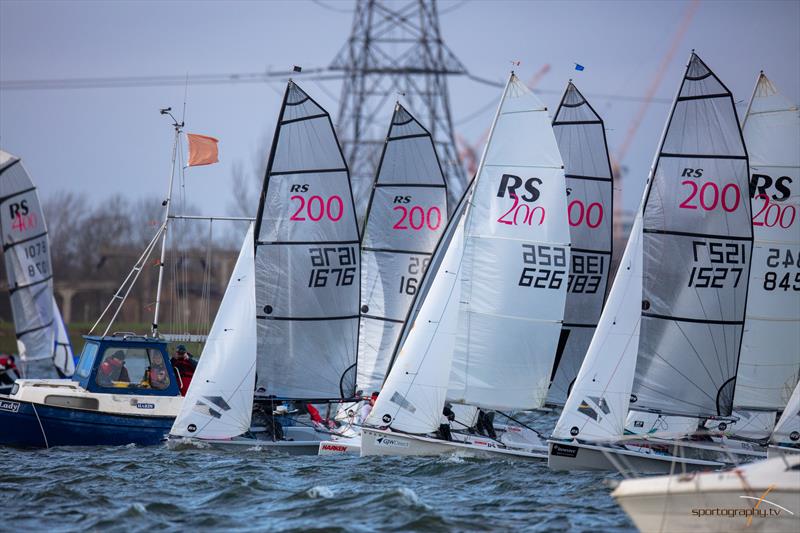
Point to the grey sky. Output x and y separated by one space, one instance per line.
102 141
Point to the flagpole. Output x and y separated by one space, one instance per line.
166 204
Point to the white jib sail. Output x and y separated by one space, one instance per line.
697 246
787 430
62 348
406 215
597 407
219 402
581 138
516 260
769 363
307 260
415 390
26 250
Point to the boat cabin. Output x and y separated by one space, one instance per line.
126 364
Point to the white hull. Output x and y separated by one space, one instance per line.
297 441
340 446
763 496
579 456
780 451
380 442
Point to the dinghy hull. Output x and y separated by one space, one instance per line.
379 442
579 456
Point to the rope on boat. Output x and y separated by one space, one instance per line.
46 445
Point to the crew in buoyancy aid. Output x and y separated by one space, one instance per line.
185 365
444 423
485 424
8 370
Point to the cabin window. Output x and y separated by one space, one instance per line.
87 360
140 368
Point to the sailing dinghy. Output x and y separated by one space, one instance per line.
26 248
487 332
581 138
769 364
668 341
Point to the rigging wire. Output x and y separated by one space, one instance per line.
453 7
322 4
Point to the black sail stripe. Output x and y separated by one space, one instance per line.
18 193
310 117
37 328
699 235
303 243
382 318
12 290
307 318
589 178
23 241
702 156
694 320
308 171
394 251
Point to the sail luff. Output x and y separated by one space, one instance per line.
307 261
406 214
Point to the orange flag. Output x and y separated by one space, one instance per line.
202 150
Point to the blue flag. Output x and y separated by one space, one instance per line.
578 66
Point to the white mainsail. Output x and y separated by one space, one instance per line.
581 138
26 249
516 258
769 365
219 402
306 260
697 243
787 430
671 328
406 215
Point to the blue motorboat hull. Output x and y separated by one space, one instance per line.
60 426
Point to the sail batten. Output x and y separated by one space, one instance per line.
306 259
406 215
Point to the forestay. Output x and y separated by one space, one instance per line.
516 257
406 215
697 240
306 260
219 402
26 250
581 138
770 360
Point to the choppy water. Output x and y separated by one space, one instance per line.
136 489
